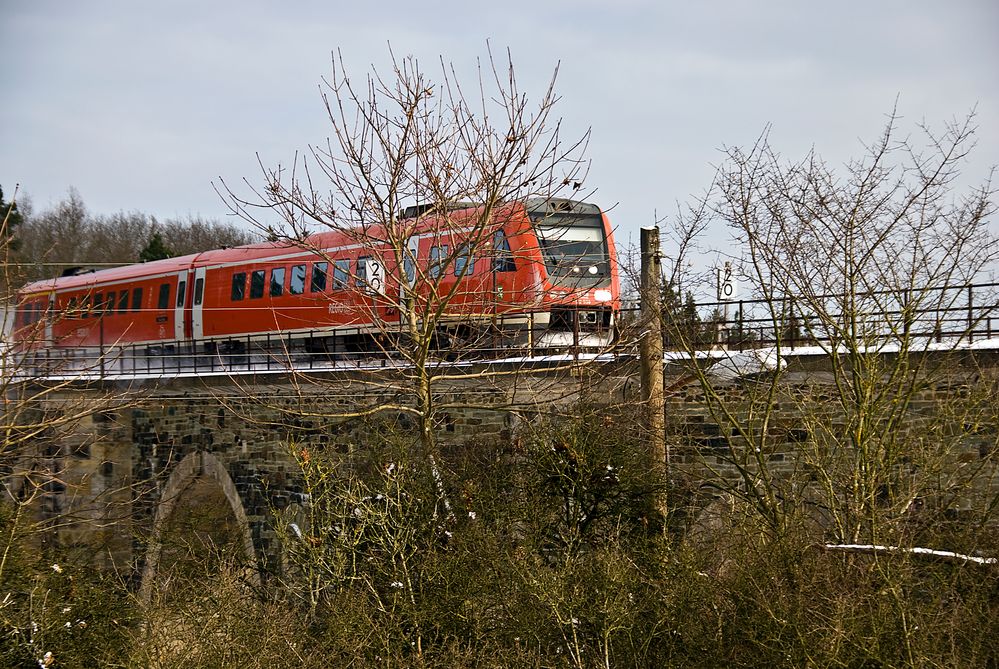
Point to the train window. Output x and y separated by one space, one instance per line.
318 277
438 257
257 284
137 299
238 286
341 271
181 293
409 267
123 301
296 282
98 304
277 282
503 258
109 302
163 300
464 261
362 271
85 307
71 308
199 289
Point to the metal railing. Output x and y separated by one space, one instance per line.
510 336
948 315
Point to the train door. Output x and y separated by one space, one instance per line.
50 315
179 331
197 306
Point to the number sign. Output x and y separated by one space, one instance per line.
375 277
728 288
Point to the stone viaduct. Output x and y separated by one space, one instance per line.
219 452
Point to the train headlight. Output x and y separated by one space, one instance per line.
593 269
602 295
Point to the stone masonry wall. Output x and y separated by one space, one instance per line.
117 460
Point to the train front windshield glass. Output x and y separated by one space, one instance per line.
574 248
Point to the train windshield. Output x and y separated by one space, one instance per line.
574 248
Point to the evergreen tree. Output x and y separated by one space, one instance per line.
682 323
155 249
11 218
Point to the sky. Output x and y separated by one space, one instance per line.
140 106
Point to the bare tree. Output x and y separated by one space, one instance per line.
871 436
427 177
416 162
869 265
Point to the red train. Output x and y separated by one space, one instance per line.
542 272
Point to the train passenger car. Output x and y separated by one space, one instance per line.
542 271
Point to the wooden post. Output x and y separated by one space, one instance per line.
651 350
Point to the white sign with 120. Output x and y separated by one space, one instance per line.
728 287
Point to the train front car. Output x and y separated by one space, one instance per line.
582 290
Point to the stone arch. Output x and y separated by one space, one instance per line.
194 466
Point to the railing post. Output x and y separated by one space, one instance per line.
742 318
102 346
971 314
575 335
530 334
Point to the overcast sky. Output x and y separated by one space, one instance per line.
141 105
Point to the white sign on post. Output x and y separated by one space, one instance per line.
728 288
375 277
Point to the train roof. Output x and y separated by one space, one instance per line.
259 250
88 278
167 266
